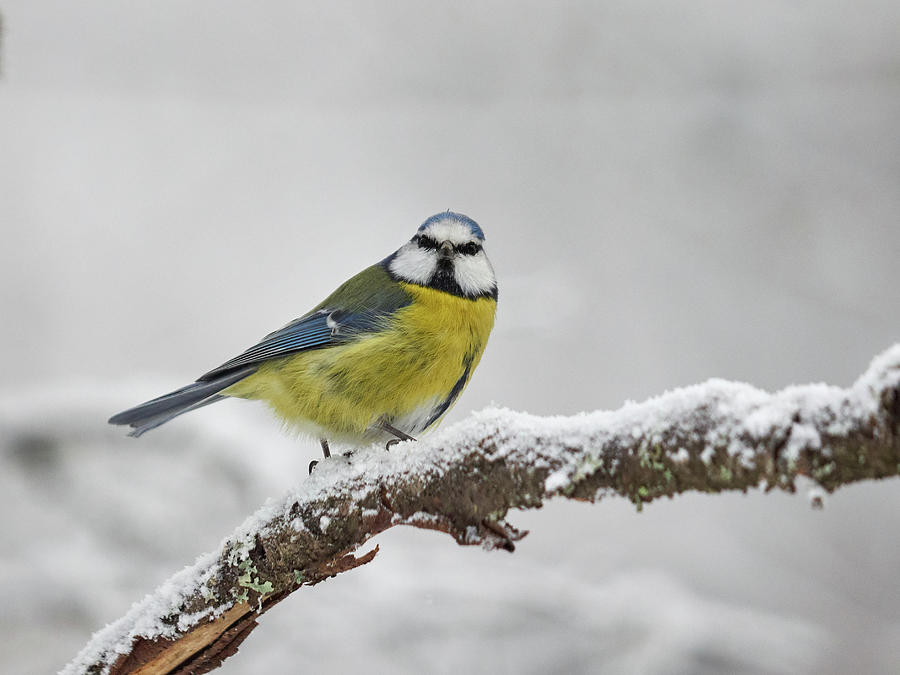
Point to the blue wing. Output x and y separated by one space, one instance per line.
323 328
362 305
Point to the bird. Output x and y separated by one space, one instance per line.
381 359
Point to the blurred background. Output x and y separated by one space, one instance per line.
671 191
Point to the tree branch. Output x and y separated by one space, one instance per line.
712 437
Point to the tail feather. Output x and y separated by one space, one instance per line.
140 428
160 410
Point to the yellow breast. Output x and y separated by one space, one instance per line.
409 374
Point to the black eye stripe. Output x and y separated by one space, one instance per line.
426 242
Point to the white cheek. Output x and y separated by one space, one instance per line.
474 274
414 264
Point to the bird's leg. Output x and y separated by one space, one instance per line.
325 451
401 436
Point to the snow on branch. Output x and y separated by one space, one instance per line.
463 480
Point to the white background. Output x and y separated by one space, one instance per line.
671 191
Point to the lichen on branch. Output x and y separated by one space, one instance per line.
711 437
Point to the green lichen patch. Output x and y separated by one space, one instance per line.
250 579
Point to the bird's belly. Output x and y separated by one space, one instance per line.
409 374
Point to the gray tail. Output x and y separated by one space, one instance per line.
158 411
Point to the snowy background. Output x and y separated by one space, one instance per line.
671 191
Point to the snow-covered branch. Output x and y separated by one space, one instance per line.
711 437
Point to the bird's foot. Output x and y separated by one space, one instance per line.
400 435
391 443
325 451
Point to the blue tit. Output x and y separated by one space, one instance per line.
385 356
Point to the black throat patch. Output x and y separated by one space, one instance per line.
443 278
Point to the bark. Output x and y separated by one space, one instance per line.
714 437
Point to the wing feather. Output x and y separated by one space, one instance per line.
361 305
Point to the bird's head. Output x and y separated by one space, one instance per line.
446 253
